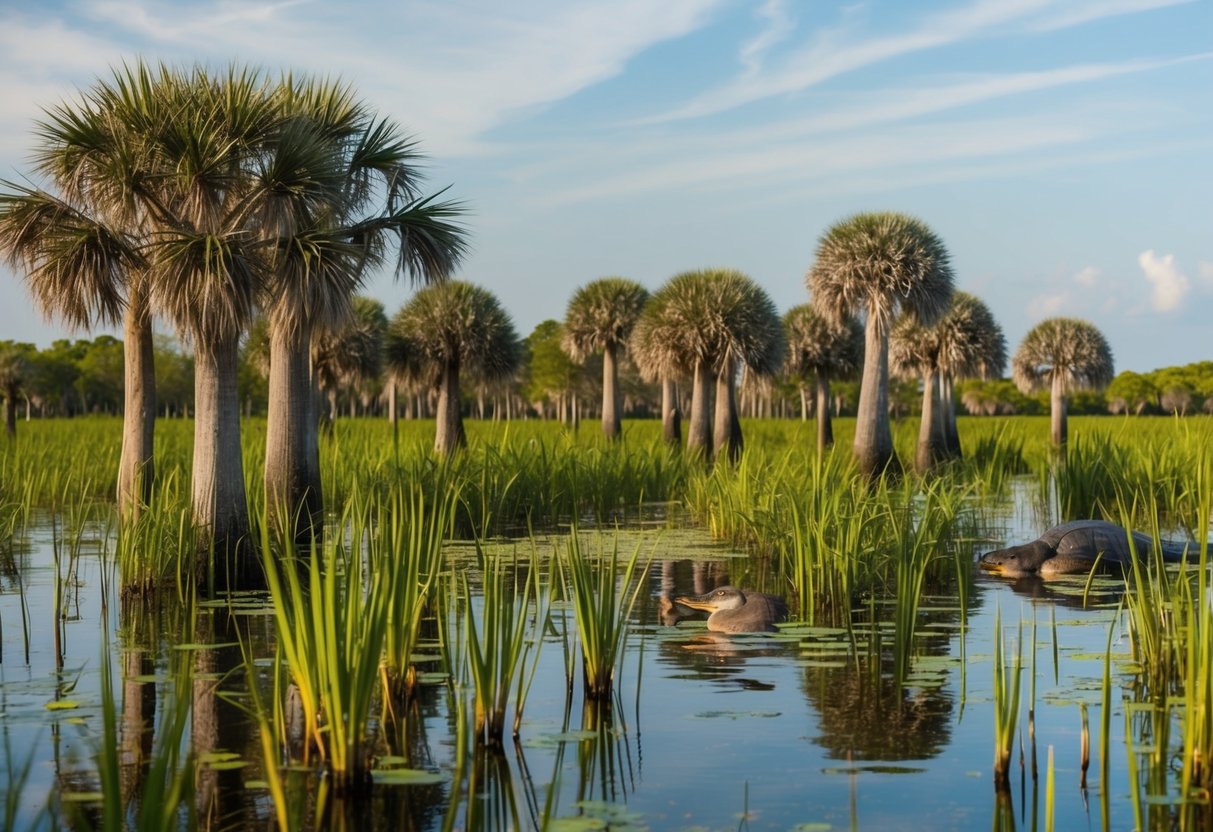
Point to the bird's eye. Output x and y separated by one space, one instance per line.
720 592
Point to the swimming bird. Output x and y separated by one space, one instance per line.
736 610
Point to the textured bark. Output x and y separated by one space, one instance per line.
699 434
930 448
138 717
136 469
1058 410
449 435
292 487
671 416
825 422
219 505
727 428
947 412
611 399
873 436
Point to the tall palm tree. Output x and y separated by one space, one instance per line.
820 349
1065 354
340 185
915 351
600 316
457 327
748 333
80 247
879 265
350 356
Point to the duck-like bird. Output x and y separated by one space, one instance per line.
736 610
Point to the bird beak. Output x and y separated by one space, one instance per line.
697 602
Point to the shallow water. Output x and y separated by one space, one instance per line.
781 731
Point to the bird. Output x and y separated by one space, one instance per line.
736 610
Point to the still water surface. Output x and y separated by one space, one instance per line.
781 731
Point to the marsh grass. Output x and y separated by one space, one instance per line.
603 591
1006 702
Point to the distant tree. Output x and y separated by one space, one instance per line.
458 327
13 370
350 355
1062 354
879 265
552 375
1131 392
600 318
100 382
820 350
51 379
174 376
649 348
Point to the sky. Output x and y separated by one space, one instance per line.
1060 148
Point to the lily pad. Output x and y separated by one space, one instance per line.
407 777
62 705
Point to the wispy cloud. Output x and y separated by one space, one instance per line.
1087 277
833 52
1170 285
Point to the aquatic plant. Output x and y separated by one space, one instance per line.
602 601
1006 702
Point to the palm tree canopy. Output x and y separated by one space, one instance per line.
880 264
819 346
601 315
459 321
966 341
1071 349
707 316
352 353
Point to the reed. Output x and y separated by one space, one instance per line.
332 632
1006 703
602 601
498 646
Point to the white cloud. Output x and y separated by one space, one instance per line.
1046 306
779 25
1205 272
1170 284
1087 277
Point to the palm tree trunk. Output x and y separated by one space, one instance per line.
449 435
873 436
136 470
927 431
671 416
292 495
611 404
1058 410
699 435
825 422
727 433
219 505
947 401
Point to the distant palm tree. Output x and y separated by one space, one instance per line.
81 247
649 349
600 316
915 351
748 333
1065 354
13 370
820 349
973 347
879 265
457 327
351 355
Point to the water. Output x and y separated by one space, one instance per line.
782 731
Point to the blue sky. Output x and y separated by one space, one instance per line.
1061 148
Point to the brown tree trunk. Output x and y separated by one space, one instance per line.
727 433
873 435
927 451
611 400
671 416
699 434
136 469
292 487
449 435
825 423
1058 410
219 505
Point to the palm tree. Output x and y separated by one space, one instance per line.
879 265
973 347
80 248
649 351
13 370
350 356
339 186
1065 354
600 316
915 352
748 333
457 327
820 349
